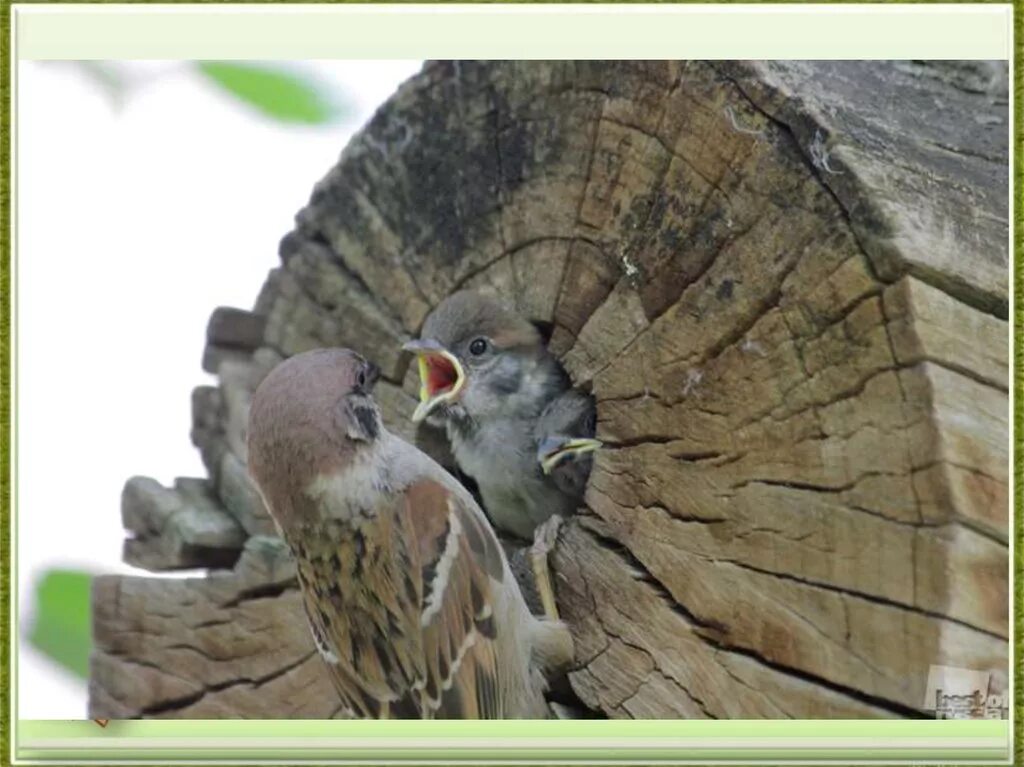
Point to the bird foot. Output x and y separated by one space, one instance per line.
546 535
544 538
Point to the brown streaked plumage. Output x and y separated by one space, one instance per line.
409 597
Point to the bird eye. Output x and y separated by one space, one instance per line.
478 346
366 377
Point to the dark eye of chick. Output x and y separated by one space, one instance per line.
361 379
478 346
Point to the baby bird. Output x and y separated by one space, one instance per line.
408 593
513 422
565 441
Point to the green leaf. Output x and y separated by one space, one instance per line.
278 93
62 626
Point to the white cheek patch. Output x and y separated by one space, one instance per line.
347 493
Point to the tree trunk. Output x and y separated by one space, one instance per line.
786 285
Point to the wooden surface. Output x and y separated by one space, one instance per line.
786 285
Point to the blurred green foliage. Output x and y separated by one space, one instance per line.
282 93
277 93
62 628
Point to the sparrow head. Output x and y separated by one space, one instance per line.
558 449
565 431
478 358
312 415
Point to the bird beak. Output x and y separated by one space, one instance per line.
441 376
553 450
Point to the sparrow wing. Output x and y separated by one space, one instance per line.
461 566
407 622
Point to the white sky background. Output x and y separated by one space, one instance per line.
132 226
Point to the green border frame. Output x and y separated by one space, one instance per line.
6 318
116 729
552 740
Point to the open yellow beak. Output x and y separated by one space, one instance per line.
553 450
441 376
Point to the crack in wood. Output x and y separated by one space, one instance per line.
714 631
263 591
176 704
876 599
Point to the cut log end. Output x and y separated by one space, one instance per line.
801 380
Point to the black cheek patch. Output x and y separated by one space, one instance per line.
360 418
366 417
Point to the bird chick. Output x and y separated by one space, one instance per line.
565 441
488 378
408 593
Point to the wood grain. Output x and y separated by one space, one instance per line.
786 285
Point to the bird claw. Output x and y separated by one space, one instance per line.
544 538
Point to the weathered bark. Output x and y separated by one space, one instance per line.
786 285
